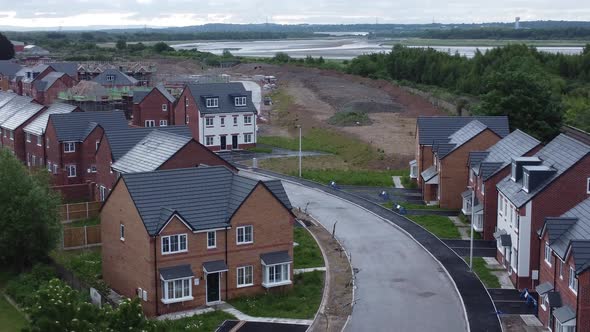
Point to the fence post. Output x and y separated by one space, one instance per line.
86 210
85 237
67 212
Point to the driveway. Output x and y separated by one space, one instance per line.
400 287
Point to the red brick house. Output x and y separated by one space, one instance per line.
25 79
8 70
221 116
47 89
432 128
71 142
564 278
11 104
549 183
153 108
113 78
486 169
135 150
35 133
185 238
14 126
445 180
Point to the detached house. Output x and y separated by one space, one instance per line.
432 128
220 115
184 238
71 142
47 89
486 169
136 150
445 180
153 108
549 183
35 133
564 276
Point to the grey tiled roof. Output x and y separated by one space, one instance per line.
544 288
226 93
37 126
560 154
121 141
205 197
556 227
176 272
429 173
76 126
151 152
215 266
138 96
47 81
458 138
564 314
475 157
13 106
120 78
20 117
431 128
5 97
9 68
70 68
500 155
277 257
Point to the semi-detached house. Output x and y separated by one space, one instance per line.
221 115
548 183
486 169
564 278
185 238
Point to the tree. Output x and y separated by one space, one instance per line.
6 48
121 44
227 54
30 217
160 47
281 57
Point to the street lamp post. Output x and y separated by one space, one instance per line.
299 126
472 224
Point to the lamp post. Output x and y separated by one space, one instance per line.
299 126
472 222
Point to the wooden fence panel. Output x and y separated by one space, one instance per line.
81 237
79 211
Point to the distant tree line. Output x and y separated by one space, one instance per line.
571 33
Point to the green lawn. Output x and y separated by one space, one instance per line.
11 319
84 222
440 226
206 322
411 206
351 177
260 149
307 254
300 302
408 183
484 273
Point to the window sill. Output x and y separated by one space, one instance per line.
543 307
174 252
244 243
209 126
244 286
546 262
276 284
182 299
573 291
122 239
211 248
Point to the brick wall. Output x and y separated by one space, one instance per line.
104 176
32 149
194 154
150 108
182 113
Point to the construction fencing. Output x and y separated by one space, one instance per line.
79 211
81 237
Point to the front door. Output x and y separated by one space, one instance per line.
234 142
213 293
223 142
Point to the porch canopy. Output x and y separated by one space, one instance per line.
564 314
215 266
277 257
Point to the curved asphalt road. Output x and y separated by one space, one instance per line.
400 287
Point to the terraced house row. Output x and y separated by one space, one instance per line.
532 199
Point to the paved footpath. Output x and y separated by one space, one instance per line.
400 286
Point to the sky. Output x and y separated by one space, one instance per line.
164 13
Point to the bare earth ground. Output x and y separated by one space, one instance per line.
319 94
513 323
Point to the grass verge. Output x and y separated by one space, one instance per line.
484 273
259 149
84 222
412 206
12 319
408 183
206 322
301 302
440 226
85 264
307 254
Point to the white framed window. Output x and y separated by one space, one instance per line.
122 232
222 121
49 166
525 181
93 169
235 120
513 171
471 175
247 138
564 328
240 101
39 140
97 145
47 143
547 254
545 302
212 102
11 135
164 107
28 137
209 140
588 186
244 234
177 290
276 275
102 193
247 119
573 281
110 78
54 168
173 244
69 147
71 171
163 123
150 123
209 121
211 239
560 270
483 187
245 276
186 102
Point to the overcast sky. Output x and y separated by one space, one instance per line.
79 13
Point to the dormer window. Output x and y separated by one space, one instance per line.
240 101
212 102
525 181
513 172
110 78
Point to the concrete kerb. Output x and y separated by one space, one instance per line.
283 178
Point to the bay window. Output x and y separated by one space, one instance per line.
276 275
176 290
